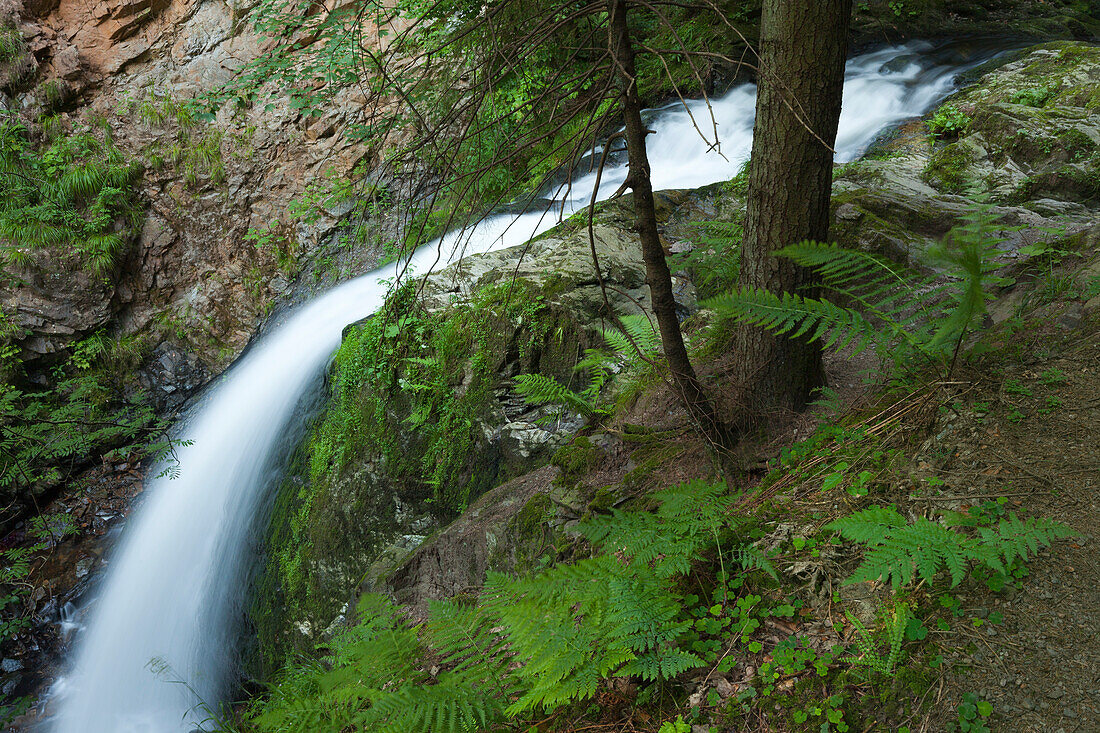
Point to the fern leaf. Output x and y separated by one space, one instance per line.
797 316
542 390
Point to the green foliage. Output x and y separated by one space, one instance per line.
899 551
890 635
281 244
406 354
74 192
43 531
48 434
715 261
885 305
971 714
675 726
11 41
1036 96
410 389
691 517
948 122
530 644
635 335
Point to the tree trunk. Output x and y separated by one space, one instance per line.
658 276
803 44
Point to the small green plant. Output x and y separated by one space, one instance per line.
1091 289
1053 376
972 714
948 122
900 551
637 334
675 726
881 652
1036 96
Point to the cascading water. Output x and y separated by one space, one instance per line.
173 592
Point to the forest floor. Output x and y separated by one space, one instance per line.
1016 426
1029 430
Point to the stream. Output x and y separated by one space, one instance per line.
161 636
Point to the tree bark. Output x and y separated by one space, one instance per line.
658 277
803 45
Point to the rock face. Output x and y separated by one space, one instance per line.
389 464
223 242
1029 145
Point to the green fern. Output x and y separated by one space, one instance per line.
636 334
871 302
868 644
448 706
529 644
539 389
899 551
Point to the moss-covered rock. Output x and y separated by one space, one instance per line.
1033 133
1025 139
422 418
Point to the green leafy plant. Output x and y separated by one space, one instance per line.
715 259
528 645
881 652
74 194
972 714
900 551
637 335
1036 96
885 305
948 122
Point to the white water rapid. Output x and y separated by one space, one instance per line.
174 587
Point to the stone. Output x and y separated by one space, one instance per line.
10 665
848 212
66 64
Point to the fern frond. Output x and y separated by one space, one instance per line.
796 316
751 557
635 334
542 390
449 706
869 526
1014 538
898 551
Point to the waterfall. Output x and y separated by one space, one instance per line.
167 610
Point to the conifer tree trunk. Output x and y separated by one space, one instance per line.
803 45
658 277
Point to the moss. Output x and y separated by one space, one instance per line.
604 500
576 459
528 522
409 393
1076 144
1072 182
947 170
